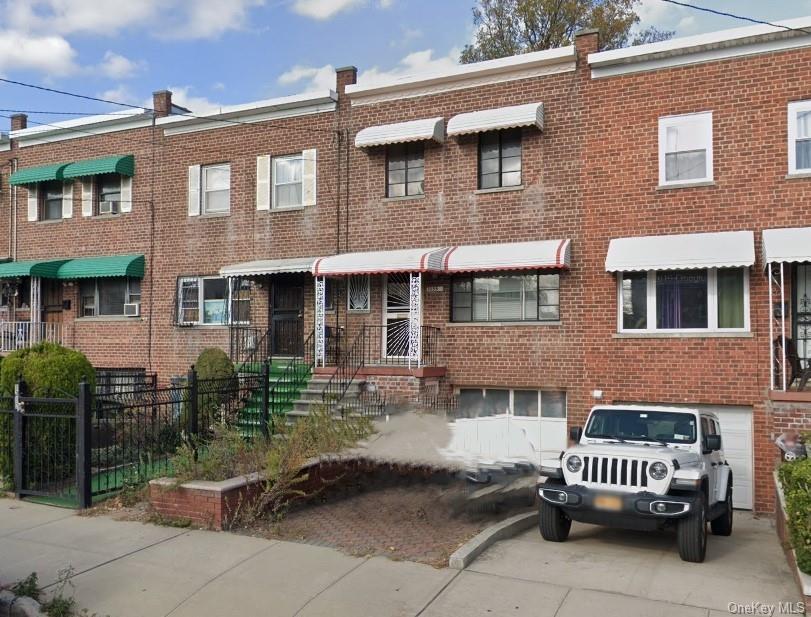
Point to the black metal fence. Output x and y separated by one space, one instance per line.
111 380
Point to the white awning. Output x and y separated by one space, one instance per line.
728 249
496 119
381 262
789 245
509 256
415 130
269 266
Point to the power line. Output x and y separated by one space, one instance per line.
734 16
64 113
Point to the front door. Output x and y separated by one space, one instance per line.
396 293
802 313
287 318
51 301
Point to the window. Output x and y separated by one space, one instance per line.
51 201
500 159
633 425
483 402
685 149
110 188
684 300
405 170
216 181
212 301
506 297
357 294
799 137
287 181
106 297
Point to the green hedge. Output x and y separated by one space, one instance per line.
796 480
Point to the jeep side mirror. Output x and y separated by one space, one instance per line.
712 443
575 433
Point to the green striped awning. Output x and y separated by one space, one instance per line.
121 164
45 268
32 175
102 267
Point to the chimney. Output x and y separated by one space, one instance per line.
19 122
586 42
162 103
345 76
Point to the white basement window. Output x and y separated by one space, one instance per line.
685 149
483 402
799 137
702 300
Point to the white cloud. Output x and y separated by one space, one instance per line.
180 19
117 66
325 9
47 54
413 64
315 78
121 94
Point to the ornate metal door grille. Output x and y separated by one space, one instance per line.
802 313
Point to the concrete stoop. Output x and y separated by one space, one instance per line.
312 396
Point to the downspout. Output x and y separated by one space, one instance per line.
13 215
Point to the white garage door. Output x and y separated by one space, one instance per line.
736 433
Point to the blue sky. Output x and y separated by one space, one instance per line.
221 52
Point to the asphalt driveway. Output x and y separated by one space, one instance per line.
129 569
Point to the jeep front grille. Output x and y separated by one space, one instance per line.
615 471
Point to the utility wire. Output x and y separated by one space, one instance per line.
65 113
734 16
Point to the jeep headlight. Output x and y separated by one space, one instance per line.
658 471
574 464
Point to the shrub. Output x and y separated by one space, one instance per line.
214 363
225 455
795 478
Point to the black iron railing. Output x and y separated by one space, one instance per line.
295 375
346 369
110 380
387 345
249 346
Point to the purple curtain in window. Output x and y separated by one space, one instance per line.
668 304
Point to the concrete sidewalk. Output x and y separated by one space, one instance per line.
127 569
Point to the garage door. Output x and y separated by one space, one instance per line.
736 432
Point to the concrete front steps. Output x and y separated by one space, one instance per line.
312 396
282 396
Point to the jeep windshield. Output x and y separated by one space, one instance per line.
638 425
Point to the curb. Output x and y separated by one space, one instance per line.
470 550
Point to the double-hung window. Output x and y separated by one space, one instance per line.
506 297
51 200
106 297
287 181
211 300
110 191
216 185
685 149
713 299
500 159
799 137
405 170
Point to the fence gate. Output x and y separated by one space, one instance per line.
45 446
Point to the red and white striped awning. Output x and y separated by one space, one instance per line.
381 262
508 256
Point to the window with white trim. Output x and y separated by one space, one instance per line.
216 188
483 402
799 137
288 188
106 297
702 300
211 300
503 297
357 294
51 200
685 149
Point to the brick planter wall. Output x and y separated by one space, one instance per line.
206 504
803 580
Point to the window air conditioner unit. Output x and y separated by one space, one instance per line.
132 309
108 207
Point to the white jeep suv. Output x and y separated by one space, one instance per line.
641 467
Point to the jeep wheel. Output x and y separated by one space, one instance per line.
722 526
692 534
553 522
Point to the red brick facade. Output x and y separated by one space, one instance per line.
590 175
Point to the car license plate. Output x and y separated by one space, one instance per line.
608 502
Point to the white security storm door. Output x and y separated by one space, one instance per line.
396 294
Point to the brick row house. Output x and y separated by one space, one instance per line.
529 235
